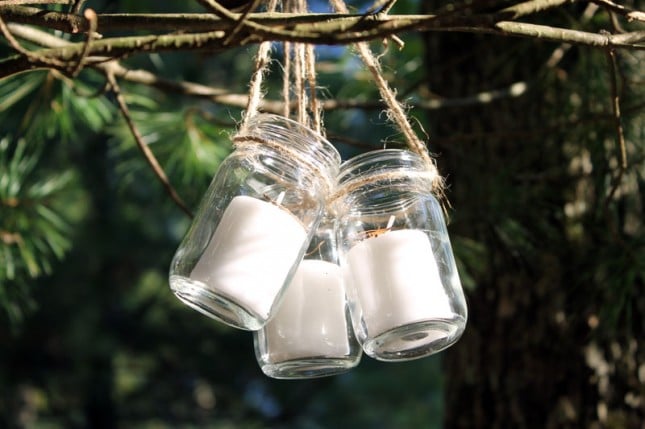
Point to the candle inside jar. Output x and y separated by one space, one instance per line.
251 253
311 320
397 281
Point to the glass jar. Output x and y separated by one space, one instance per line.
255 222
311 333
405 294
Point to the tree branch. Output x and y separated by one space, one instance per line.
304 27
620 133
630 14
23 2
327 32
147 153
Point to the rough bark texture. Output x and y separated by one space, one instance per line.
540 350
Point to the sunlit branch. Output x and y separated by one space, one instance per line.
630 14
213 40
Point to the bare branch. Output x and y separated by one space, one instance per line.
217 95
530 7
225 97
218 10
26 55
326 32
630 14
90 15
147 153
241 21
23 2
620 134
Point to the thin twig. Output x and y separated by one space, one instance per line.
380 6
76 7
28 2
90 15
240 22
12 41
147 153
28 55
620 134
630 14
217 9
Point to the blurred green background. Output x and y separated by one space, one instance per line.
550 245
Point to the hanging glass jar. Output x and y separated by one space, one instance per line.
311 333
406 297
255 222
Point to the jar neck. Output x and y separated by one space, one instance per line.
388 168
292 142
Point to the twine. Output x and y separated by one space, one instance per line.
395 110
286 81
299 72
299 77
262 60
286 150
310 69
416 178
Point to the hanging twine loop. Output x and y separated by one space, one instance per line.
299 91
262 61
299 73
395 110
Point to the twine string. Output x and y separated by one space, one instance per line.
299 73
395 110
299 77
262 61
299 84
316 110
286 81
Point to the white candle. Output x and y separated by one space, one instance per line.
251 253
397 281
311 319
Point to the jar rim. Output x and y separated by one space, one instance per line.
381 161
323 151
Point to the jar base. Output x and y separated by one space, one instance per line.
314 367
415 340
197 296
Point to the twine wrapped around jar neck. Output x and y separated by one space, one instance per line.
299 73
395 110
295 143
385 167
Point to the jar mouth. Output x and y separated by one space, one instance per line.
386 169
269 126
381 161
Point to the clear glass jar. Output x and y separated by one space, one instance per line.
311 333
255 222
405 294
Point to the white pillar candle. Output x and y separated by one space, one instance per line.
397 281
251 253
311 319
